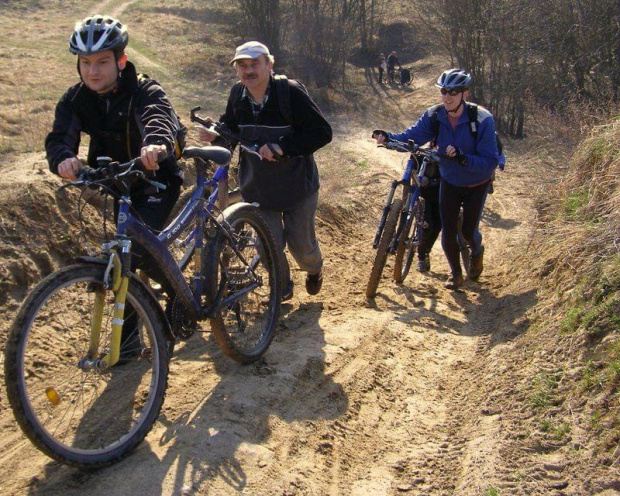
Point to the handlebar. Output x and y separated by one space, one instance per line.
217 128
114 171
411 147
221 130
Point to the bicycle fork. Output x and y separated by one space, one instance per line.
116 278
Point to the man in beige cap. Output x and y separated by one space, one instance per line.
278 114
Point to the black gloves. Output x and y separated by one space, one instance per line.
380 132
460 158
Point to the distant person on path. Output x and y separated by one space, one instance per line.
465 177
392 62
126 115
278 114
381 67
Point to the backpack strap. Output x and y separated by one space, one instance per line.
433 116
284 96
472 115
235 96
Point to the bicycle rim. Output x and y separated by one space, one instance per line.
86 418
245 326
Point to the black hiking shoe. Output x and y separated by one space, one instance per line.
454 282
476 265
424 264
314 282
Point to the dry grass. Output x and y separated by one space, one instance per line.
576 257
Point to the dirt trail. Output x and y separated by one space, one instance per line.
352 398
138 58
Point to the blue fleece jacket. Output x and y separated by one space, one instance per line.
481 151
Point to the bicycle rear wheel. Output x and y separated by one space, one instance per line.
409 242
245 324
78 415
382 249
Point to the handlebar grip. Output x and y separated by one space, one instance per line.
88 174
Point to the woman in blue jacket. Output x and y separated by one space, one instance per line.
465 176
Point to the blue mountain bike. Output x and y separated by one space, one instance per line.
72 392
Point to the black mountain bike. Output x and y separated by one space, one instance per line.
402 221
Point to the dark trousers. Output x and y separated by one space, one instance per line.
432 217
451 198
154 211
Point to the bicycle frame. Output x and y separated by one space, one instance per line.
130 227
411 185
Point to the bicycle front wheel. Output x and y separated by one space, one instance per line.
80 415
409 242
248 281
382 249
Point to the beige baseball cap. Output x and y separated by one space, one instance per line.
250 50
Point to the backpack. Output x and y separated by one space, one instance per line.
283 85
181 130
472 115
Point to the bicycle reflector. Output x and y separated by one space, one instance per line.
52 395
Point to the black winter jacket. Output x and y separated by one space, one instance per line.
104 118
279 185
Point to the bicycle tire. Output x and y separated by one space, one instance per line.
83 418
382 249
408 243
245 328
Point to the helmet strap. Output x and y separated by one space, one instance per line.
458 106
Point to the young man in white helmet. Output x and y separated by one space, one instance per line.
126 115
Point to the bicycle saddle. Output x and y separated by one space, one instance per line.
217 154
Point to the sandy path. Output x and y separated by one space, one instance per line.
352 397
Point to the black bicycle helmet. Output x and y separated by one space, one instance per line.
96 34
454 79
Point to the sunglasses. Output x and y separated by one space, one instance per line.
449 92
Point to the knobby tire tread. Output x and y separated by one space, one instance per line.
382 249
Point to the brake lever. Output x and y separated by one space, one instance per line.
194 118
253 149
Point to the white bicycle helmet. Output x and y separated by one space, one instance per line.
454 79
96 34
